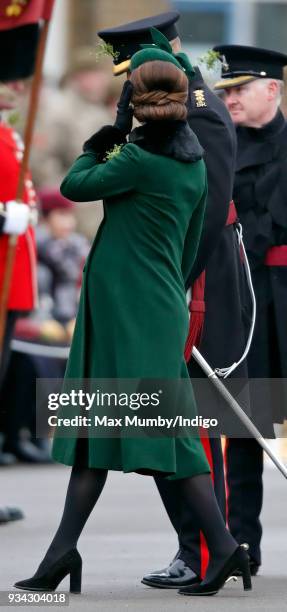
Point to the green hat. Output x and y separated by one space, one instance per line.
160 49
151 55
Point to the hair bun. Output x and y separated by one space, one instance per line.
160 91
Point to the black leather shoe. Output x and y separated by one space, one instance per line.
239 560
176 575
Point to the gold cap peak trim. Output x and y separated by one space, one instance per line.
233 82
122 67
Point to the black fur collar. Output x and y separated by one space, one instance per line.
170 138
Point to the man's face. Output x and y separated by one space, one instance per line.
62 222
92 85
249 104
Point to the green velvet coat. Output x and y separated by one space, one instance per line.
133 317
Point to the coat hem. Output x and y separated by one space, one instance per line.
146 470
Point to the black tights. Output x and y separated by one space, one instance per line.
85 487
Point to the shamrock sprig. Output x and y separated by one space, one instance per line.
113 152
104 49
210 59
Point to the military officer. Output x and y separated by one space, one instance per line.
18 47
251 87
16 218
218 255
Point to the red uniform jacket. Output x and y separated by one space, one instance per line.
23 289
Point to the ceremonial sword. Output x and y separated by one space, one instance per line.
214 375
211 374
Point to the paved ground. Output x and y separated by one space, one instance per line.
127 535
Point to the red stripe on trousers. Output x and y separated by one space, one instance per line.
225 478
204 554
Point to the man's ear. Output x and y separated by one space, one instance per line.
176 44
273 89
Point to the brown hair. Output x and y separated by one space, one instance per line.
160 91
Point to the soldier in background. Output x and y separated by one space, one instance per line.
252 86
62 252
66 117
16 218
69 114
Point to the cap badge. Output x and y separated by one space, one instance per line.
15 8
199 98
225 65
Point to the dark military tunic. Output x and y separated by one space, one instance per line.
260 195
227 316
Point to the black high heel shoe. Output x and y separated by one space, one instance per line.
239 560
69 563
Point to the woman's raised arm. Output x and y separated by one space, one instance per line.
89 180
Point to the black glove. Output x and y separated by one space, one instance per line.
124 118
104 140
110 135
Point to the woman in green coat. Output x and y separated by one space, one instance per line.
133 318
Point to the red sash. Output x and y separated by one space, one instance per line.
197 303
276 256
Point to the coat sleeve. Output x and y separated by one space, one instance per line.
192 238
220 150
88 180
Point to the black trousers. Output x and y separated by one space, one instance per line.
244 474
10 324
185 524
22 398
6 354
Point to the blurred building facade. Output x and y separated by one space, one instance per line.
262 23
250 22
203 24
